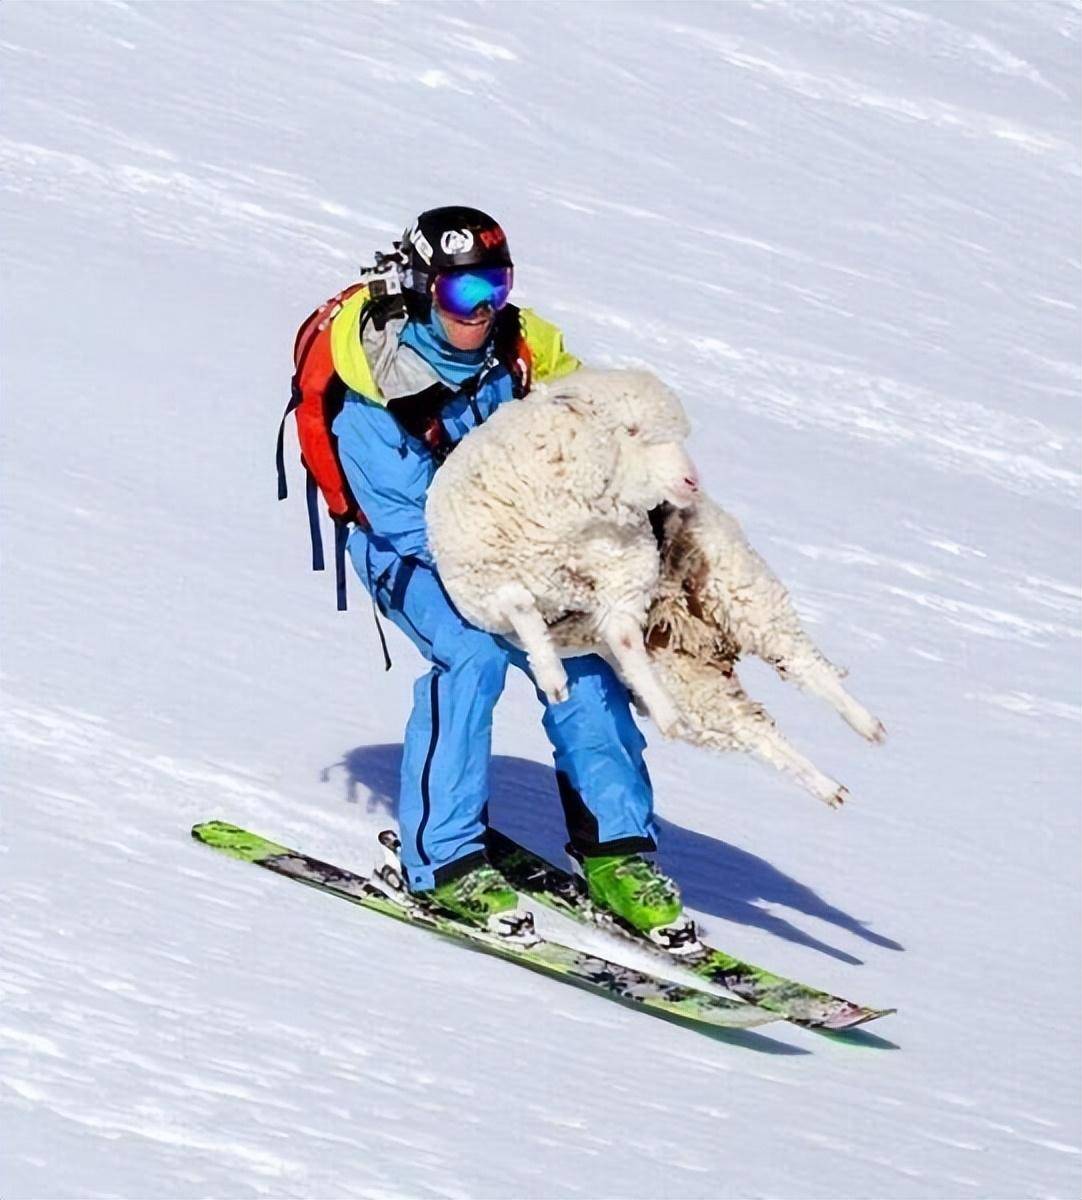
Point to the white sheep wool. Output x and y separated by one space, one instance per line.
541 514
539 522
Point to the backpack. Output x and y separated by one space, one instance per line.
317 395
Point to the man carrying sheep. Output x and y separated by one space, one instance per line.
419 379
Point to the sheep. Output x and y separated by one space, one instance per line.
541 515
540 526
716 601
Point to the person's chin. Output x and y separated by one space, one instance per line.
471 337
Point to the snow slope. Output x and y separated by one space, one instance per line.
848 234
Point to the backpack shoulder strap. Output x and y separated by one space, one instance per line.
347 349
511 350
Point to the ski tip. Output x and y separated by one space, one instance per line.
860 1017
235 841
210 831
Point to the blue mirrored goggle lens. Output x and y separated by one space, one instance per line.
464 292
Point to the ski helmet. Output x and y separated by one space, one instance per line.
453 238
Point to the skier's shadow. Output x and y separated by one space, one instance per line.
715 877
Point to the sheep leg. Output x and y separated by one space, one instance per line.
763 620
813 673
719 714
786 646
622 636
515 604
763 740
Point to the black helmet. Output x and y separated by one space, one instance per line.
451 239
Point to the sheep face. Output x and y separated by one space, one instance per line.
647 425
653 473
650 431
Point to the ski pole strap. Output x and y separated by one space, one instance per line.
313 522
382 635
341 535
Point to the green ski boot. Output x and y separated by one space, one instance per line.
483 898
640 898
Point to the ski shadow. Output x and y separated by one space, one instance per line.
716 877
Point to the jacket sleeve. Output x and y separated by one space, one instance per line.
388 472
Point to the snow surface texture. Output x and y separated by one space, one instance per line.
847 235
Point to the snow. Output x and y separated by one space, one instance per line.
848 234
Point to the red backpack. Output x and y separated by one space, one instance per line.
317 396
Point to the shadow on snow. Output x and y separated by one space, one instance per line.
715 877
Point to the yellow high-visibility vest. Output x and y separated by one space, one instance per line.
544 340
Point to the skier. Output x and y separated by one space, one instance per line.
438 368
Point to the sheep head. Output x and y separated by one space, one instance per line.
647 426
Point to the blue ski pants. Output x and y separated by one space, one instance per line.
597 747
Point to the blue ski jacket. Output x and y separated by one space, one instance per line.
388 469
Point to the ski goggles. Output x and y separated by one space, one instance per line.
462 293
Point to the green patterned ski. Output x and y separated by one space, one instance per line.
644 991
565 892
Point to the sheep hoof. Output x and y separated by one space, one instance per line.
838 798
556 689
870 728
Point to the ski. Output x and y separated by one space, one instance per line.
548 884
644 991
